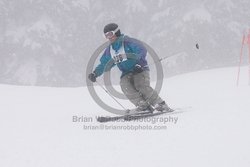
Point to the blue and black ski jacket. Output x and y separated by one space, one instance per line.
135 54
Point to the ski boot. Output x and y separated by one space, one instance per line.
163 107
144 107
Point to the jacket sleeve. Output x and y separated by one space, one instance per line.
106 63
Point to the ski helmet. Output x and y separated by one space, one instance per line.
112 27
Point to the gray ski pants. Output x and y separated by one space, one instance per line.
137 89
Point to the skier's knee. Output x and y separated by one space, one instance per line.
141 87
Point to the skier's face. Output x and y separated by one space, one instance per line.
112 39
111 35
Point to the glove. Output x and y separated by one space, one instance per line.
138 68
92 77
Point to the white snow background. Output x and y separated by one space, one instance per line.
37 128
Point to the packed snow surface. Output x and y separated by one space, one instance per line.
38 128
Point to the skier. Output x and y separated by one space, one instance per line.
129 55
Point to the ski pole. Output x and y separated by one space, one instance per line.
241 50
163 58
111 96
248 42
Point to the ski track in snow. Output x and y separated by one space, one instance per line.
37 129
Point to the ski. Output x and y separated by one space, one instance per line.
141 115
124 117
131 117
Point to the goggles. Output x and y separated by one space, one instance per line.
110 34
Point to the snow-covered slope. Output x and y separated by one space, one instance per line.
37 127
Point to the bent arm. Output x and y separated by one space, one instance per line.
137 48
106 63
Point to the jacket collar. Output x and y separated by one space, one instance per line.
117 43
